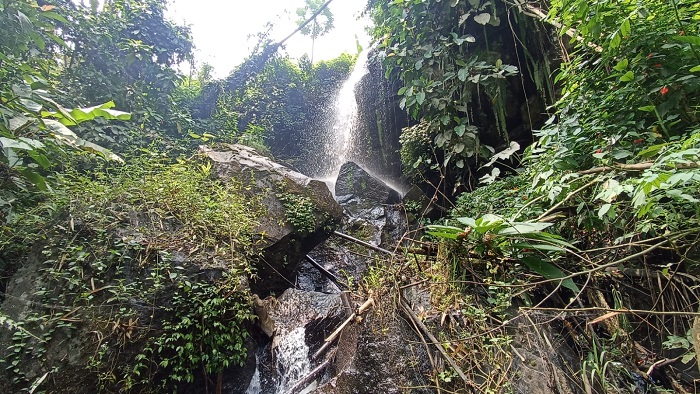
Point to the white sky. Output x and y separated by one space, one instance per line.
220 29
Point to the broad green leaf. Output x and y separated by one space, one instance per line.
688 357
647 108
79 115
651 151
459 130
462 74
39 158
542 247
625 28
448 232
467 221
36 179
549 238
615 41
621 65
629 76
15 144
523 228
482 18
695 69
603 210
55 16
67 136
420 97
487 222
693 40
549 271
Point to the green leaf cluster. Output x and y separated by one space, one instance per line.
457 69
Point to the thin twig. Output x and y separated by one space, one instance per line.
622 311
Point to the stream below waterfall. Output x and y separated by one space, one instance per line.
305 314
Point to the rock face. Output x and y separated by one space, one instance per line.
300 212
380 118
353 180
373 360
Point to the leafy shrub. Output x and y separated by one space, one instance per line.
504 198
148 233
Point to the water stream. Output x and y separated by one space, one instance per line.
290 352
337 141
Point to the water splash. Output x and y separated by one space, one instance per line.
292 359
338 139
255 386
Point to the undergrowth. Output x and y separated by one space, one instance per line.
140 271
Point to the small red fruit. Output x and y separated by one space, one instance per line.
663 91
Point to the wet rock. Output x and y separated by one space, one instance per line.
283 192
298 322
296 308
543 358
380 118
379 356
354 180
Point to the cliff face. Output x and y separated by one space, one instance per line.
379 120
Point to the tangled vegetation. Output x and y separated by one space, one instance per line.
146 264
584 264
592 248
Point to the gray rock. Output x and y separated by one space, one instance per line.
354 180
283 244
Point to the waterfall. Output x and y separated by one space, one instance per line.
292 360
341 142
338 139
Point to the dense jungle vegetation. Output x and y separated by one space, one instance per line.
603 206
578 206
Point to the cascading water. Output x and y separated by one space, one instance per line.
292 360
341 141
337 142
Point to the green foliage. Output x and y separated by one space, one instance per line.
316 28
205 330
280 107
455 69
505 197
149 234
523 241
632 114
124 52
298 211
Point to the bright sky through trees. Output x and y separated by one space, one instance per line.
221 28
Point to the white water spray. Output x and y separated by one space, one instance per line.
292 359
338 142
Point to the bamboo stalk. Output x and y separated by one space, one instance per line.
437 344
329 341
311 376
363 243
326 273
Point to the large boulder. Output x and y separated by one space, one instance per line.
300 212
353 180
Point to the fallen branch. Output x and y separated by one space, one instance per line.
363 243
661 364
534 12
326 273
437 344
329 341
638 167
306 22
622 310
